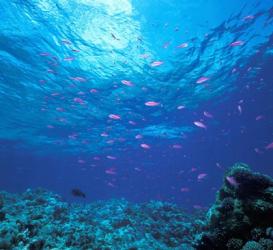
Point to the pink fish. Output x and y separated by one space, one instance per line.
42 81
128 83
269 146
156 63
50 126
200 124
232 181
78 100
152 103
258 151
259 117
111 171
110 184
144 56
197 207
181 107
104 134
132 123
72 136
240 109
81 161
184 189
44 54
202 79
138 136
249 17
177 146
114 117
78 79
207 114
166 45
93 91
237 43
69 58
110 157
60 109
201 176
145 146
183 45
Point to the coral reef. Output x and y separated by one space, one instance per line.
38 219
242 216
240 219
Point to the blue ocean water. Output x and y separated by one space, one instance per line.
136 99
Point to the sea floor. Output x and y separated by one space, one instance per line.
241 218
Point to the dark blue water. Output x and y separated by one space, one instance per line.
136 99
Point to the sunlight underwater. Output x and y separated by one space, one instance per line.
70 64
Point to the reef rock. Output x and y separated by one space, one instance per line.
38 219
242 215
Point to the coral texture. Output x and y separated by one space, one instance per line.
242 215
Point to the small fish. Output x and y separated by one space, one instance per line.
183 45
269 146
45 54
104 134
249 17
110 157
114 37
232 181
184 189
145 146
114 117
81 161
78 100
259 117
78 79
128 83
144 56
177 146
60 109
202 79
166 45
93 91
78 193
240 109
138 136
132 123
200 124
197 207
111 171
201 176
156 63
152 103
237 43
207 114
181 107
69 58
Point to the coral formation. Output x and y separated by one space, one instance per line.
240 219
38 219
242 215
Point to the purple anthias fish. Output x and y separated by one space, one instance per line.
232 181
